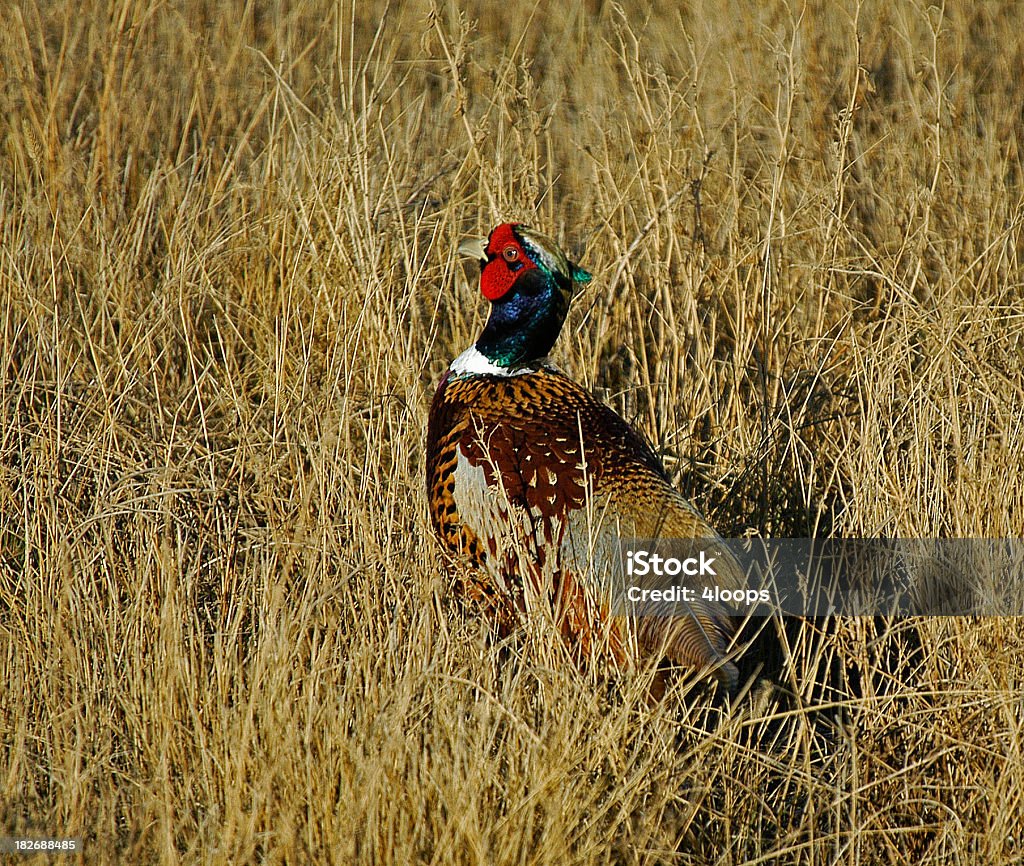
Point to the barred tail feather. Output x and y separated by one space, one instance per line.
698 641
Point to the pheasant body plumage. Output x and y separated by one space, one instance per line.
534 480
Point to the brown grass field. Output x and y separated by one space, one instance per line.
229 283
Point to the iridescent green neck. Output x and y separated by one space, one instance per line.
524 325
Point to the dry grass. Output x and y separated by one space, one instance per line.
228 285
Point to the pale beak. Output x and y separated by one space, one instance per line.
474 248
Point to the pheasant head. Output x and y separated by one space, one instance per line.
529 282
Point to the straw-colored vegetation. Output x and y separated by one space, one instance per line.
228 284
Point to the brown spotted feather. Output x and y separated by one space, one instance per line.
547 453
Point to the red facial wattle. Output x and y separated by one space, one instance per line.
506 262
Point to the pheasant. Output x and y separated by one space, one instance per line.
534 480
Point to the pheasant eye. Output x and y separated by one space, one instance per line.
510 254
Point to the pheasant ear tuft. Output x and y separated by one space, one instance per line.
578 274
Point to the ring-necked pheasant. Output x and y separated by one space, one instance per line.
535 480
